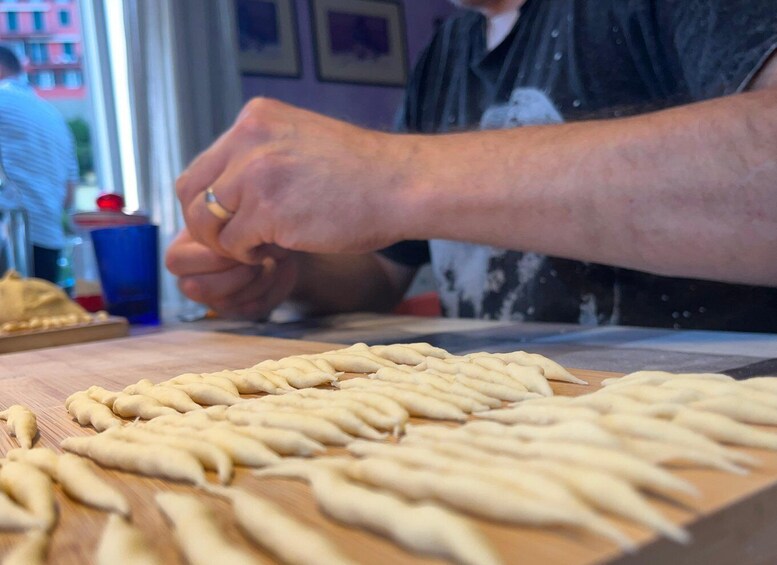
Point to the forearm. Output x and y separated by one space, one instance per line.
688 192
348 283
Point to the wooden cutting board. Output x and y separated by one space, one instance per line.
735 519
111 327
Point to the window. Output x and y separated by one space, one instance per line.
43 79
72 79
38 53
68 53
13 21
64 17
37 21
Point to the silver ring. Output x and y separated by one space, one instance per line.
215 207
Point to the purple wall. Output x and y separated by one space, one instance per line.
372 106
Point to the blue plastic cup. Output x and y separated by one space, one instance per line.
128 263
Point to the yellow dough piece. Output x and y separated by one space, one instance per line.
140 406
421 527
123 544
89 412
159 461
32 488
14 517
210 456
31 550
81 483
198 533
270 527
22 422
166 395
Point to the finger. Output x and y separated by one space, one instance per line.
203 170
261 307
204 226
187 257
212 288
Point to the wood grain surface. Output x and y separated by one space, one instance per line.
734 521
110 328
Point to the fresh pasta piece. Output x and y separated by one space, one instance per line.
123 544
427 349
464 403
578 431
496 469
198 533
625 466
670 454
140 406
89 412
764 384
739 409
242 449
352 362
15 517
317 428
205 378
248 381
605 402
399 354
663 376
32 488
371 416
724 429
164 394
651 428
283 442
416 403
552 370
23 424
41 457
302 364
31 550
478 497
271 527
277 379
102 395
81 483
653 394
159 461
341 417
526 413
608 493
208 394
210 456
531 377
447 385
469 369
425 528
388 406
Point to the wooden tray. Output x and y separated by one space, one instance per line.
734 521
111 327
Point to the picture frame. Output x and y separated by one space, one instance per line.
360 41
268 38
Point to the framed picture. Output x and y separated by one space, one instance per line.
360 41
267 38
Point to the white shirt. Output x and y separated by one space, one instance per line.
499 26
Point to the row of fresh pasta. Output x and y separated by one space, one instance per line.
529 458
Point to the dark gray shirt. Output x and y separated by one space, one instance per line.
571 60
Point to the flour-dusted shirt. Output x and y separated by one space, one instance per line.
39 156
575 60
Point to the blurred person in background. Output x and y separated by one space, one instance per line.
39 156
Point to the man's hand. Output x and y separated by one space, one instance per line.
301 181
232 289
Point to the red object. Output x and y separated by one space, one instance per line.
426 304
91 303
110 202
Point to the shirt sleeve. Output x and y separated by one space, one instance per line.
719 45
